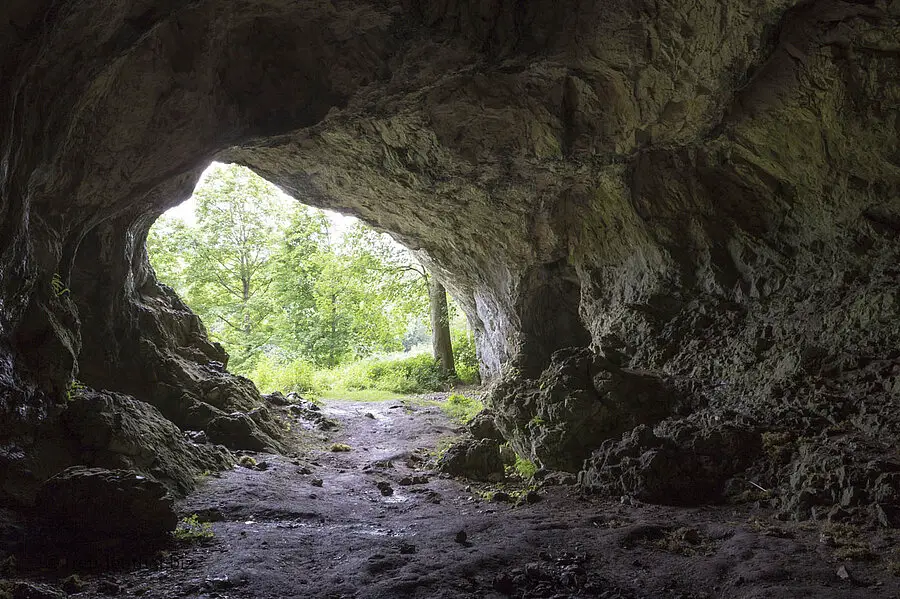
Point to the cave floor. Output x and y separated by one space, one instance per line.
317 525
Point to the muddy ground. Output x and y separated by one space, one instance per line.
349 524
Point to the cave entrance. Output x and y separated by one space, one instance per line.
306 300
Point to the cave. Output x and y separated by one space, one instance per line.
674 228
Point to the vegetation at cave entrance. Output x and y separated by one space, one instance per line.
299 305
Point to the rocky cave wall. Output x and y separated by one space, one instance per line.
706 194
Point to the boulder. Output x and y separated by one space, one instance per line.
687 463
477 459
119 432
482 426
94 513
577 403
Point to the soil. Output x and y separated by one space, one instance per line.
342 524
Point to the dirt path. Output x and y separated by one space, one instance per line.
320 526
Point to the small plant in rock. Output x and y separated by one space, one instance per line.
74 389
524 468
338 447
848 542
462 408
190 530
536 421
247 462
59 288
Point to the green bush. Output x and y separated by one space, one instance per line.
296 376
462 408
464 356
413 374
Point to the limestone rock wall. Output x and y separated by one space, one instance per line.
707 190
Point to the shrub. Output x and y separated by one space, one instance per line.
295 376
465 357
413 374
462 408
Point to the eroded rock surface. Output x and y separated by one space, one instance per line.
581 400
476 459
707 191
91 513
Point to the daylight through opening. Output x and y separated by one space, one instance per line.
306 300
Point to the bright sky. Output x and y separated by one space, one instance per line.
185 211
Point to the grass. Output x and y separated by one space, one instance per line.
461 408
384 377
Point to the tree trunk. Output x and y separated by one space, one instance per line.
440 327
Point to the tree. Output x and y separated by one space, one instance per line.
267 277
441 344
166 243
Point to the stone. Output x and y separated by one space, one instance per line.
578 402
276 399
477 459
237 431
482 426
93 513
73 584
33 590
117 431
501 497
198 437
688 463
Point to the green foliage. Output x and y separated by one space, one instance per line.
297 308
464 356
413 374
74 389
462 408
297 376
247 462
525 468
59 288
190 530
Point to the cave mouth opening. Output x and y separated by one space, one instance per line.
307 300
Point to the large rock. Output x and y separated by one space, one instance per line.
579 401
118 432
477 459
483 426
93 513
688 463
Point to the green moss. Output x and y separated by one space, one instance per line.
339 447
247 461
